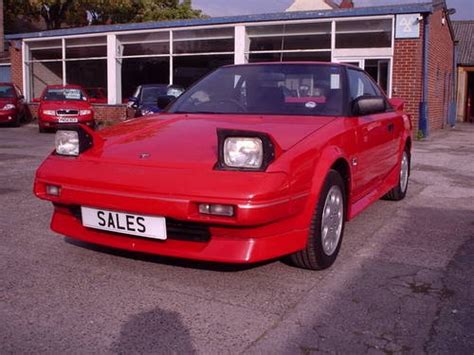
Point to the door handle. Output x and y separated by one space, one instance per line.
390 127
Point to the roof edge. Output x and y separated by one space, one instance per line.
426 7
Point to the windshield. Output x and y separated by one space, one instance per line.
7 92
63 94
150 94
278 89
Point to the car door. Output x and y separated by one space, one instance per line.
373 139
394 124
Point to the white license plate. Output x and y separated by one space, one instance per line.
126 223
67 120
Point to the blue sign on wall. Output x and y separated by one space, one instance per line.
407 26
5 74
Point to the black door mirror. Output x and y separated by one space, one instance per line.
164 101
368 105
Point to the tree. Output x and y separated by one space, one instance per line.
56 14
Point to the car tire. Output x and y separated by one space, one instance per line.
399 192
320 251
41 129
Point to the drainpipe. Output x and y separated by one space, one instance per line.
423 110
454 96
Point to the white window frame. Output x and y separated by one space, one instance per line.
241 49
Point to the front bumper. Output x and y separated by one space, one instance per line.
225 245
8 116
45 121
270 222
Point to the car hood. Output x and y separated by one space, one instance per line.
183 140
4 101
56 105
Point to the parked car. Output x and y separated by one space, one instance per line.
96 95
234 172
12 105
144 100
64 105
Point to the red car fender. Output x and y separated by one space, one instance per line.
326 159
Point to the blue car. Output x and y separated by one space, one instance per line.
144 100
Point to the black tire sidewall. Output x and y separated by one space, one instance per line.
324 260
401 193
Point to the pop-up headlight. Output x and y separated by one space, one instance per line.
72 142
244 150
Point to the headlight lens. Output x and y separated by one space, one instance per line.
146 112
67 143
49 112
8 107
84 112
243 152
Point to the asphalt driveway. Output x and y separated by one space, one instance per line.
402 283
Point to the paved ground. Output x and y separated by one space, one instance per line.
402 283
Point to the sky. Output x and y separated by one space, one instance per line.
216 8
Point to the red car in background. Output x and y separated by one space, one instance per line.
233 170
12 105
64 105
97 95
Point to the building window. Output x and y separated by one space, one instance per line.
216 40
290 57
86 62
144 44
44 65
299 42
189 69
80 61
139 71
364 34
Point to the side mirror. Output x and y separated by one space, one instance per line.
397 104
367 105
132 102
164 101
36 99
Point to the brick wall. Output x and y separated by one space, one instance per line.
16 67
440 71
408 74
110 112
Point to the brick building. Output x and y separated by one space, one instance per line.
4 56
464 31
408 49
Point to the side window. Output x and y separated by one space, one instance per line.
360 85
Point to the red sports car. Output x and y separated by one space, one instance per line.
64 105
233 171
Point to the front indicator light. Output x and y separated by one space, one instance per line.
49 112
67 143
53 190
216 209
84 112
